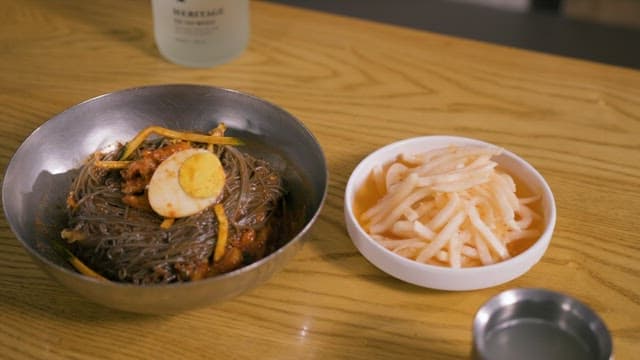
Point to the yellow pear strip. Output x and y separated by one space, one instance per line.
75 262
167 223
223 232
173 134
107 164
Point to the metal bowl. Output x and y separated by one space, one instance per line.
39 175
539 324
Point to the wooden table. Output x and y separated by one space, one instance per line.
358 86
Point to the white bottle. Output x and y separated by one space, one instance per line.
201 33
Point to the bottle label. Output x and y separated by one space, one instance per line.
195 24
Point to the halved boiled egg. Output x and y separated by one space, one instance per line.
186 183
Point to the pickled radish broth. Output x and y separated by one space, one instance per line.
452 206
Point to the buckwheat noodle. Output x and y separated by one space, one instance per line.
127 244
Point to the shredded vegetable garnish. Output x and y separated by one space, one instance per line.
223 232
173 134
167 223
75 262
112 164
449 206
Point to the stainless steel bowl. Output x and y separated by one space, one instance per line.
539 324
39 175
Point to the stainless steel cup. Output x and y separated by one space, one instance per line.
538 324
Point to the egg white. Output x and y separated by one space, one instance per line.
167 197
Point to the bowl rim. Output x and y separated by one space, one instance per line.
248 268
393 148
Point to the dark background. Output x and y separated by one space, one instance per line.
544 26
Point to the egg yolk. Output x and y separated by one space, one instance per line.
201 175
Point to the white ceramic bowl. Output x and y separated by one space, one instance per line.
439 277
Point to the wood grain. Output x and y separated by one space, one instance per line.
357 85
